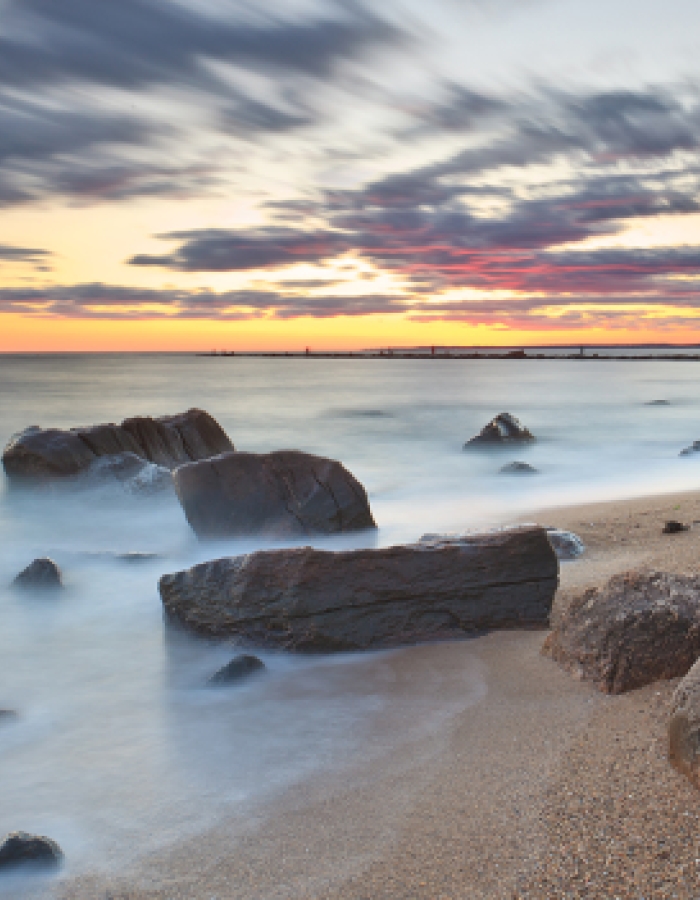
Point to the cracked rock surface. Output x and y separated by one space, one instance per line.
310 599
281 494
45 454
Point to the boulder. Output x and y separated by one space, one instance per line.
240 668
684 727
20 847
42 574
503 429
40 455
309 599
282 494
638 628
518 468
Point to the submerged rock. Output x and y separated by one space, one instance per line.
503 429
684 727
638 628
658 403
280 494
136 475
238 669
518 468
310 599
567 545
20 847
7 715
39 455
42 573
689 451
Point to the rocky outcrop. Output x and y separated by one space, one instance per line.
684 727
518 468
639 628
42 574
40 455
240 668
310 599
20 847
503 429
690 451
280 494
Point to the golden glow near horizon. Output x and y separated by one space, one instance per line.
218 189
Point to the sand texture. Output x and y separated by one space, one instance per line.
541 788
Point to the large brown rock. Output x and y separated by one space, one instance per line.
38 454
638 628
356 599
280 494
684 727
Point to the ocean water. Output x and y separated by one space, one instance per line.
119 747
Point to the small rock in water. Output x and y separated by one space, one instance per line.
42 573
673 527
567 545
503 429
7 714
518 468
694 448
658 403
20 847
240 667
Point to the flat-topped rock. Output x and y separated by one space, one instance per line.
638 628
309 599
504 429
281 494
40 455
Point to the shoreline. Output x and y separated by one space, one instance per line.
543 788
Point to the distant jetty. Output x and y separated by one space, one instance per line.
582 353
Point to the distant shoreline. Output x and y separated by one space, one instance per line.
398 354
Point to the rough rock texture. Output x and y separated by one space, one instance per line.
20 847
38 454
41 573
503 429
278 494
639 628
684 727
518 468
240 668
315 599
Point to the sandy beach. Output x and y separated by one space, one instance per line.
543 788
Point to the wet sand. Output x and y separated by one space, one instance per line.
542 788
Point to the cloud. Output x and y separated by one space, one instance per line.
23 254
135 44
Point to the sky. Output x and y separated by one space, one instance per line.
217 174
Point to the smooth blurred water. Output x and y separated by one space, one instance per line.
119 747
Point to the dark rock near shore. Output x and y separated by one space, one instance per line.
673 527
240 668
503 429
638 628
684 727
41 574
39 455
310 599
20 848
518 468
280 494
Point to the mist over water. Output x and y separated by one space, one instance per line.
119 746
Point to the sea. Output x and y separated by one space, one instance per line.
119 747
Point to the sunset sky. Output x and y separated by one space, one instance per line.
197 174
